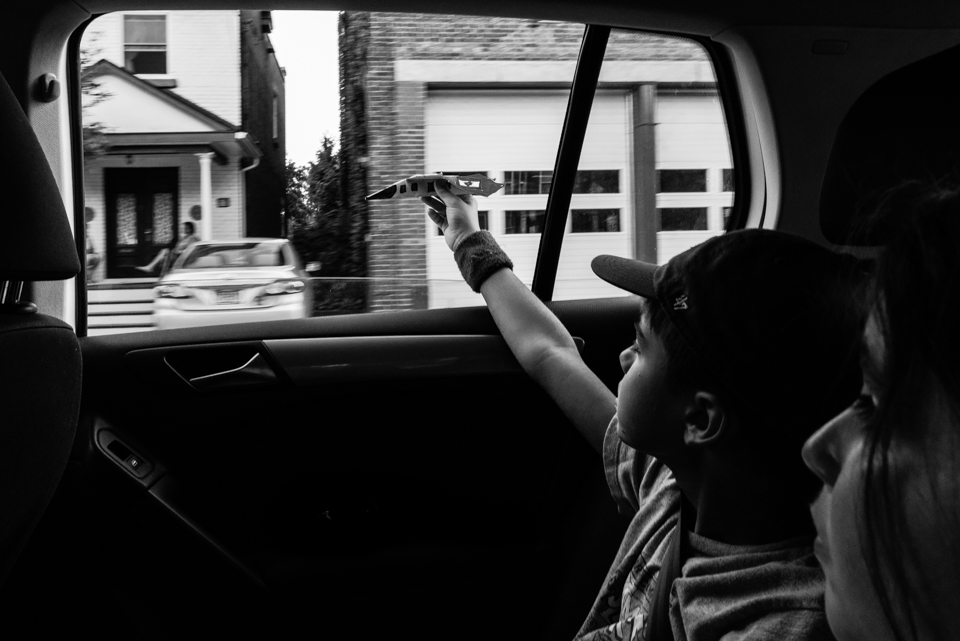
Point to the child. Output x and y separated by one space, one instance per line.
888 517
743 348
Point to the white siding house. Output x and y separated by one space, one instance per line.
171 113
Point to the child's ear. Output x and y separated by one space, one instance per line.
706 420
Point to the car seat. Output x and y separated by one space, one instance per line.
903 129
40 363
267 260
214 260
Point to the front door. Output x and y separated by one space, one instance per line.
142 206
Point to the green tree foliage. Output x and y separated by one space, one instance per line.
325 231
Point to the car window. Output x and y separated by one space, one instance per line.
191 137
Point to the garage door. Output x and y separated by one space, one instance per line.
513 135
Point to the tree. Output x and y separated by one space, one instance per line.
92 93
323 230
297 206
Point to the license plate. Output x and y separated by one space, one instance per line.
228 297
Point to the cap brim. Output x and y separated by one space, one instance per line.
632 275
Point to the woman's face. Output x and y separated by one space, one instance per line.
836 454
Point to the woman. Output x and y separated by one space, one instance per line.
165 259
888 517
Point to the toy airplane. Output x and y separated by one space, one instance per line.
422 185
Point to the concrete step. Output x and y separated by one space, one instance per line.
107 331
120 320
119 295
108 308
120 306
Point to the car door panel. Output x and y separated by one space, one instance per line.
386 467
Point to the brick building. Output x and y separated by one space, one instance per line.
427 93
193 121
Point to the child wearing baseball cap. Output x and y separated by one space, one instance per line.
744 346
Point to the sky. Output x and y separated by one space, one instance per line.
306 46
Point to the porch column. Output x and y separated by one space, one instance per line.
206 193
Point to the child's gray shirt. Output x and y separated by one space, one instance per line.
728 592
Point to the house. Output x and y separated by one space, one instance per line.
427 93
190 105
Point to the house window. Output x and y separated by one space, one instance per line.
727 180
484 225
681 180
593 220
523 221
683 218
145 44
592 181
527 182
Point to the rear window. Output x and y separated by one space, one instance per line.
236 255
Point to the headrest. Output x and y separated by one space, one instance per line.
266 260
906 127
213 260
35 238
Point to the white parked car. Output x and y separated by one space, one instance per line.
233 281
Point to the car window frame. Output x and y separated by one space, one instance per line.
573 132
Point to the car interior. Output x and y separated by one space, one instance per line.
325 476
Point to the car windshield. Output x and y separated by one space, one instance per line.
231 255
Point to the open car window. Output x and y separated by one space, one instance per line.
187 119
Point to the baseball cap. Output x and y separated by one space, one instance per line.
775 317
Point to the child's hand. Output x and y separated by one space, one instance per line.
456 216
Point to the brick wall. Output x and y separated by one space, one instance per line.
382 119
354 45
262 83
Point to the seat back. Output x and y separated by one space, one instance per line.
904 128
40 371
40 363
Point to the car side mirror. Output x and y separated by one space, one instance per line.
313 267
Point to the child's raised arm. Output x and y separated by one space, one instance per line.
537 338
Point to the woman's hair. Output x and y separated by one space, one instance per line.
910 530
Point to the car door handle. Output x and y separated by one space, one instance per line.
255 371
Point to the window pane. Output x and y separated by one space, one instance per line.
163 226
495 109
145 29
590 220
524 222
484 225
683 218
126 230
597 182
527 182
146 61
727 180
681 180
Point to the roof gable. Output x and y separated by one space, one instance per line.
135 106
